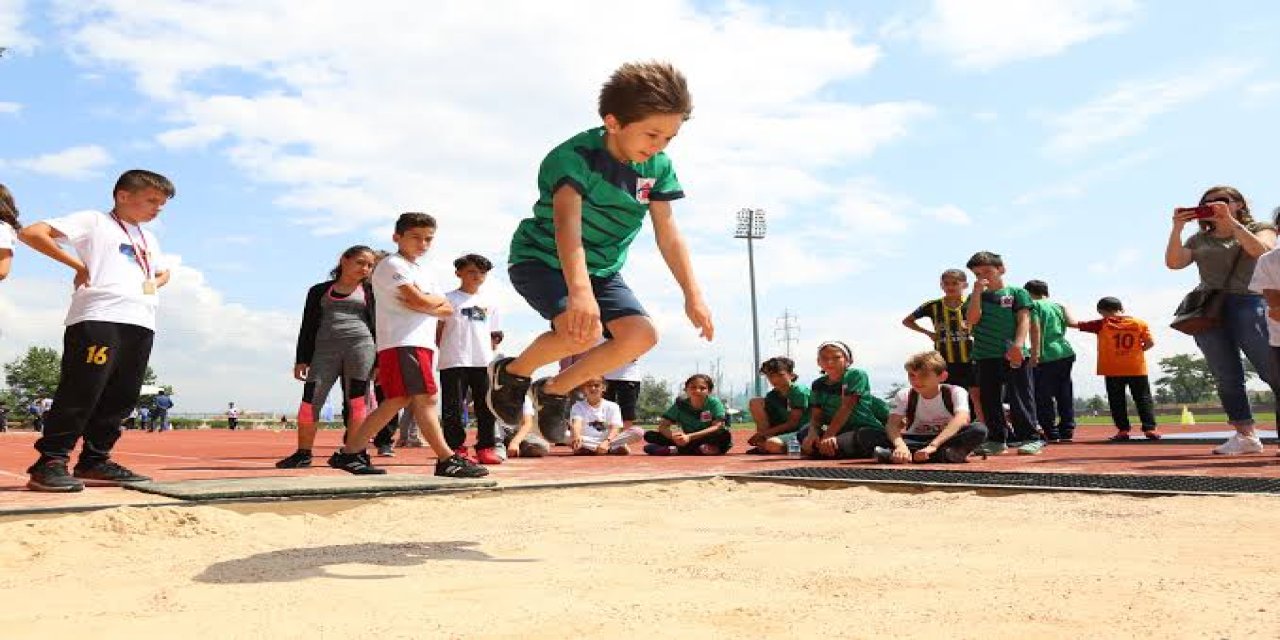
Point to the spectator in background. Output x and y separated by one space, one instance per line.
1225 249
160 411
233 416
4 417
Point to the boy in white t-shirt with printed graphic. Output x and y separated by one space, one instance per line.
930 419
596 426
409 306
466 341
110 327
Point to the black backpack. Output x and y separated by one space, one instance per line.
913 399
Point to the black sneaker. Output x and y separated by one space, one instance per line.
386 451
107 474
299 460
456 466
506 392
51 476
553 411
354 463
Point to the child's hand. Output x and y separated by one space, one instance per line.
513 450
979 286
680 438
700 315
1273 313
575 442
756 439
828 447
923 454
582 318
1014 356
901 455
300 372
81 279
603 447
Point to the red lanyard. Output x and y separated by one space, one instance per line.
142 256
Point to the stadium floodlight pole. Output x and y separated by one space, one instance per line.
751 227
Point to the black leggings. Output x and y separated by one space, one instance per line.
454 384
722 439
955 449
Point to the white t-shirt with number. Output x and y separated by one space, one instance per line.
931 414
465 341
116 277
607 414
396 324
8 237
1266 275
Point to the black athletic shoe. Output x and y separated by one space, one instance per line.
354 463
456 466
107 474
299 460
386 451
51 476
553 411
506 392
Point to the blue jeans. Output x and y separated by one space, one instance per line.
1243 329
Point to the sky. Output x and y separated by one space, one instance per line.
886 141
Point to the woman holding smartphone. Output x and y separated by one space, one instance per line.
1225 250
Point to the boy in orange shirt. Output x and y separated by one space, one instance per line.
1122 344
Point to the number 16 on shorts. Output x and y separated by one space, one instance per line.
96 355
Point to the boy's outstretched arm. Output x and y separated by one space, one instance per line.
582 315
44 238
676 254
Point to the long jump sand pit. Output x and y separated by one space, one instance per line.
697 559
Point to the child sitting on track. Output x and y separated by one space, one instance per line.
930 419
780 412
694 425
596 424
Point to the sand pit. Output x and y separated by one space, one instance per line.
711 559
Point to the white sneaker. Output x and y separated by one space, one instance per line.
1239 445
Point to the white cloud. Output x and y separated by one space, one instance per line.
1078 185
75 163
1125 111
9 108
13 14
949 214
984 34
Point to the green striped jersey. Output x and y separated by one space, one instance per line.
995 331
615 200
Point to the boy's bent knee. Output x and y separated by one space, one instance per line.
635 334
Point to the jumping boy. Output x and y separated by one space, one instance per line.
594 191
950 335
1052 359
110 327
1000 317
1122 361
466 338
409 304
929 421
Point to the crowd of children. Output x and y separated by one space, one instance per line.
999 375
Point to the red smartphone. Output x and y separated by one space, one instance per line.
1202 212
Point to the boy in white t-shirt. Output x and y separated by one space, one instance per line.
9 228
466 341
1266 278
110 327
929 421
409 304
596 426
233 416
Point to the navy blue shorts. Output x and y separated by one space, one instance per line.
545 290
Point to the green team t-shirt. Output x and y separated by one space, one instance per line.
827 395
615 200
994 332
778 407
1053 330
690 418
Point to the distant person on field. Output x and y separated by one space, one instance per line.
1052 359
950 333
1122 345
779 414
930 418
693 425
110 326
594 192
840 405
1000 316
9 228
160 413
596 426
4 417
233 416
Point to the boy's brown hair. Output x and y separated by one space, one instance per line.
955 273
927 361
135 180
414 220
637 90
